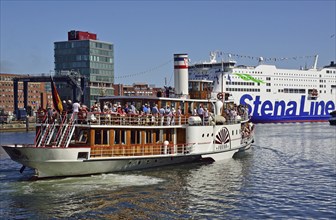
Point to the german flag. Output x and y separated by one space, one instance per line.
56 98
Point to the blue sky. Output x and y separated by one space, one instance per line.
146 34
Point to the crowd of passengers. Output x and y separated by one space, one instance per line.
171 115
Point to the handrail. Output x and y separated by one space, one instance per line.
60 127
140 150
102 118
133 119
37 136
60 141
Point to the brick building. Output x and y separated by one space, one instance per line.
37 93
137 89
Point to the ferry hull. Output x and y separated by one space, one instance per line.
61 162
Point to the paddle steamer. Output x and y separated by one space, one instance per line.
105 141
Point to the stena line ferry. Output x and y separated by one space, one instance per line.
273 94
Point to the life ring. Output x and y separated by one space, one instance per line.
220 96
314 92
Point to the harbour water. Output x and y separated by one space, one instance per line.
290 173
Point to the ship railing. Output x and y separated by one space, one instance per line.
102 118
141 150
40 130
237 120
131 119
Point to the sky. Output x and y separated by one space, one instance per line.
146 34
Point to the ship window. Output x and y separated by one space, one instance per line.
82 155
101 137
157 135
148 136
117 136
135 137
83 137
97 137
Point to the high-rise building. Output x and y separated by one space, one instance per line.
85 55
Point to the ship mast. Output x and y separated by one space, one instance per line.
315 62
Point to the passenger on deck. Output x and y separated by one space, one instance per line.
206 116
50 114
200 111
83 113
114 108
126 109
75 107
162 113
168 114
195 111
94 107
155 114
64 105
133 109
119 110
179 114
145 108
173 114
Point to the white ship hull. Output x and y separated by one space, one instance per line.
62 162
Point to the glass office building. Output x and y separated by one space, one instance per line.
83 54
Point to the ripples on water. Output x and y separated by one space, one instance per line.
289 173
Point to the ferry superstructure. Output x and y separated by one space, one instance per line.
273 94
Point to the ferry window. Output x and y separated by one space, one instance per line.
83 137
163 104
117 137
105 136
232 132
101 137
148 136
157 135
123 137
97 137
135 137
169 135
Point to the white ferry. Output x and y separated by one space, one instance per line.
272 94
105 141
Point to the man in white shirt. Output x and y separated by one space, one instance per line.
75 107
